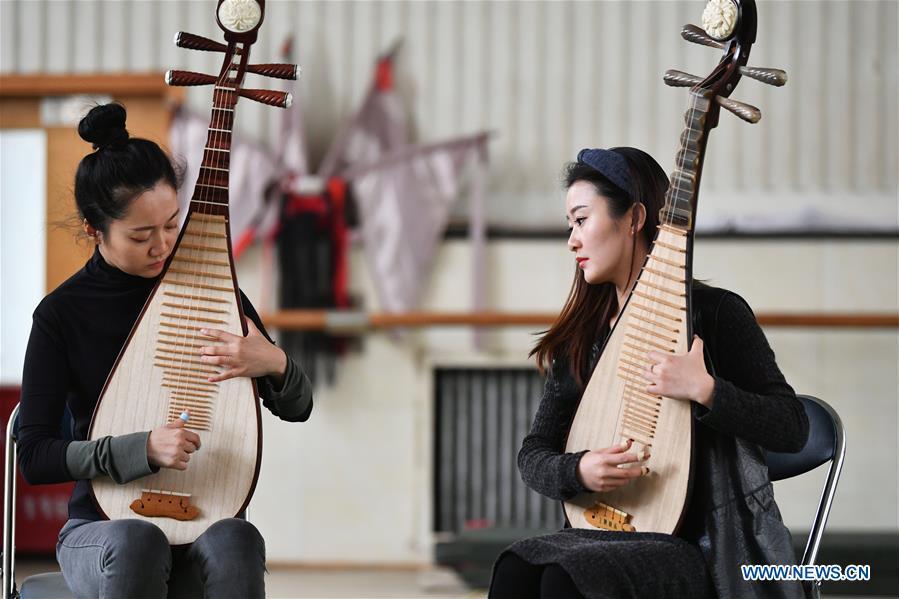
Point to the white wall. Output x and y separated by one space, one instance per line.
22 245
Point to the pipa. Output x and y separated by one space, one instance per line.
656 315
158 373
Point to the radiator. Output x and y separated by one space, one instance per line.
481 416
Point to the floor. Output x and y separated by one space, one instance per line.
306 583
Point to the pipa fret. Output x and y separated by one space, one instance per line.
201 274
178 360
193 318
656 312
191 260
176 366
190 297
649 342
666 261
195 307
668 246
655 323
191 394
204 248
664 275
657 287
195 285
655 334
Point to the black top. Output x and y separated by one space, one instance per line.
732 517
77 333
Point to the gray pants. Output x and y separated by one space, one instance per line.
132 558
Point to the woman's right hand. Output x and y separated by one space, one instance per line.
598 470
170 446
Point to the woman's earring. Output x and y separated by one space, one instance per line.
91 232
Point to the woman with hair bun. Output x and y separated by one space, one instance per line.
740 404
126 196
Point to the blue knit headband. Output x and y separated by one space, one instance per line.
611 165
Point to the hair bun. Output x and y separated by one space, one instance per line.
104 126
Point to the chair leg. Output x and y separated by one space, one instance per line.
815 590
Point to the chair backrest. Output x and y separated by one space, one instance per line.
9 499
826 443
824 439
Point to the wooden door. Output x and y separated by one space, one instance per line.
149 103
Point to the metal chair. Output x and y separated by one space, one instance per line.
50 584
826 443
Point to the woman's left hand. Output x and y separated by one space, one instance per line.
681 376
250 356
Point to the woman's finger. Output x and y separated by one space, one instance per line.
224 376
215 350
219 334
616 448
654 356
252 329
615 483
621 458
222 360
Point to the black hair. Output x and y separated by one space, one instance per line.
121 168
587 311
649 181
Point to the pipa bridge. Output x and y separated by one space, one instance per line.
156 503
604 516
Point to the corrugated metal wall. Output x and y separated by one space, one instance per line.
481 416
548 77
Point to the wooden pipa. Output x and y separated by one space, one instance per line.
656 316
158 373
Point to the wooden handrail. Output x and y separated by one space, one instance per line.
114 84
352 321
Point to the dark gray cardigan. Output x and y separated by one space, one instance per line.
732 516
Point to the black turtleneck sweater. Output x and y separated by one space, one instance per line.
76 335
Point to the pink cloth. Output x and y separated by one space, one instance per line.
404 201
377 128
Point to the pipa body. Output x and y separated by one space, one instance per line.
158 375
615 406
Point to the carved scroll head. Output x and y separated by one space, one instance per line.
239 15
719 19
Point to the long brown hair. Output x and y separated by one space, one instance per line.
587 311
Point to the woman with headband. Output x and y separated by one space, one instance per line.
740 403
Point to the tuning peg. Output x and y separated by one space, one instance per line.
197 42
676 78
173 77
694 34
770 76
748 113
270 97
280 71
